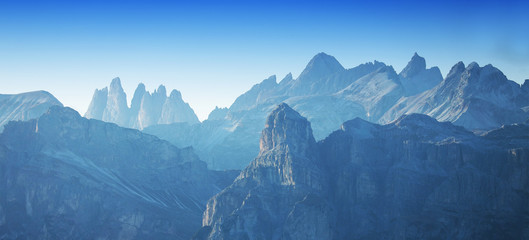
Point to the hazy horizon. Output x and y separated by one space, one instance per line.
214 52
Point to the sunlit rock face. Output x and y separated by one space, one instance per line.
67 177
110 105
415 178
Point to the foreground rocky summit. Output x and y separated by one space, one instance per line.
66 177
415 178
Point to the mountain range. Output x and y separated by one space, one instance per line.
67 177
359 153
477 98
415 178
110 105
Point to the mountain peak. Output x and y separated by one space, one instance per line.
218 113
473 65
320 66
270 81
525 85
286 128
457 69
175 94
286 111
287 78
115 85
161 90
415 65
140 88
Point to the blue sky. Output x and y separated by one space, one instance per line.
213 51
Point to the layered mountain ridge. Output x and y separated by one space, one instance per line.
477 98
110 105
25 106
68 177
415 178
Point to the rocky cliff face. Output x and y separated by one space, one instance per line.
415 178
146 109
255 205
25 106
67 177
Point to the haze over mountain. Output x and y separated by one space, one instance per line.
25 106
328 95
474 97
67 177
367 181
110 105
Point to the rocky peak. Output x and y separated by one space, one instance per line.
416 79
525 86
218 113
98 104
136 99
269 81
415 65
161 91
457 69
176 95
286 79
389 70
321 65
116 109
115 86
146 109
140 90
286 128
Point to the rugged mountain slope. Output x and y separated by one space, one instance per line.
110 105
25 106
416 79
287 167
314 93
413 179
474 97
67 177
328 95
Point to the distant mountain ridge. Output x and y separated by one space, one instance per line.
329 94
110 105
25 106
474 97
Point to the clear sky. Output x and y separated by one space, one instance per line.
213 51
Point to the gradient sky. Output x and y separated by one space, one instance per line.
213 51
